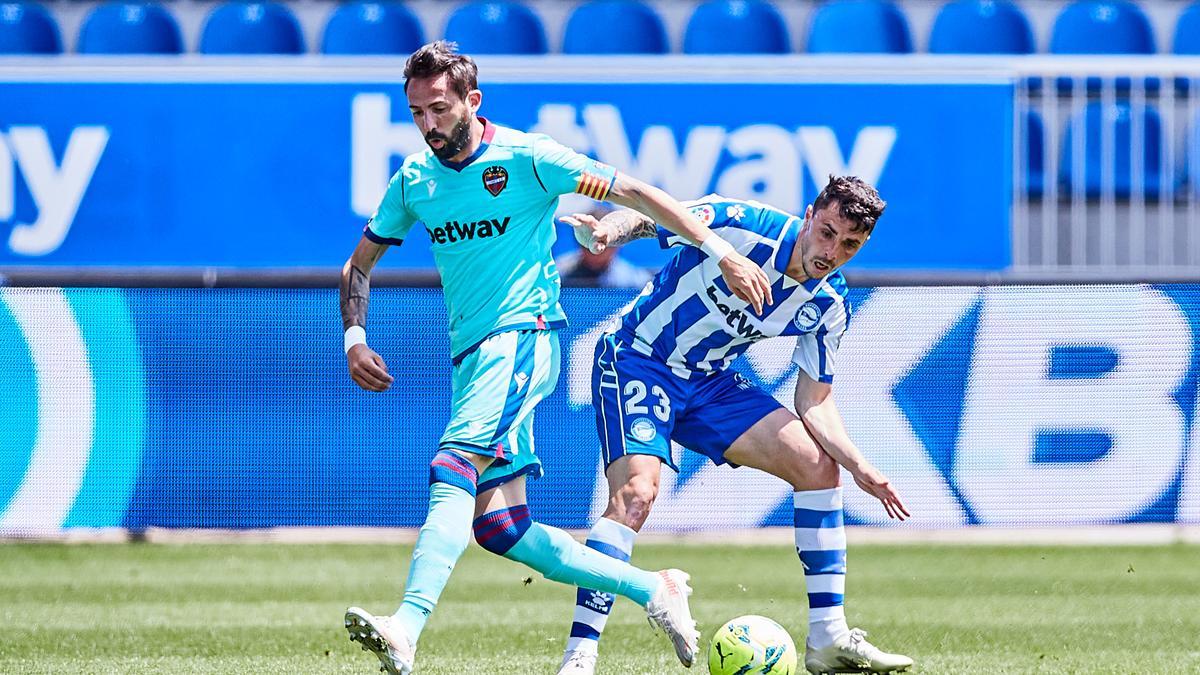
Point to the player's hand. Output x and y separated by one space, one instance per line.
878 486
746 280
589 232
367 368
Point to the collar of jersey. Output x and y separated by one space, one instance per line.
489 130
783 256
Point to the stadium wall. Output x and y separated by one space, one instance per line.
1014 406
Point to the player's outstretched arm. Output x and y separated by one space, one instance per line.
745 279
614 229
367 368
815 407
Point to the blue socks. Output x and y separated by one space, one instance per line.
821 544
442 540
510 533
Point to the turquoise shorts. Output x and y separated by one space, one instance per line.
495 389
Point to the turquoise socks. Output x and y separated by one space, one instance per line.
442 540
558 557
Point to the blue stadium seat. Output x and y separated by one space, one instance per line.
858 27
615 27
26 28
1118 118
1187 39
1035 154
1190 170
1187 31
501 27
129 28
372 28
1102 27
736 27
981 27
251 28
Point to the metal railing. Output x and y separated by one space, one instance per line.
1107 165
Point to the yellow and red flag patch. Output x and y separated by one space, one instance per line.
596 180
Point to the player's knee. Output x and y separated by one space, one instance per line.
802 462
636 498
453 469
500 530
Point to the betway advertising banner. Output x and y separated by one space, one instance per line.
232 408
248 169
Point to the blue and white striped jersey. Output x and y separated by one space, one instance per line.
688 318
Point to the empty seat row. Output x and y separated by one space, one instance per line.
232 28
605 27
1133 139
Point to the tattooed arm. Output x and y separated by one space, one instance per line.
614 229
367 368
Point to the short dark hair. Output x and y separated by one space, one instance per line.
440 57
857 201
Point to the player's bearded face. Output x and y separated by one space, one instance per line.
455 142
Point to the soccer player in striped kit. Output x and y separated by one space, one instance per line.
663 375
486 195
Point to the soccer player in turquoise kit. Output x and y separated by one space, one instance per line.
663 375
486 195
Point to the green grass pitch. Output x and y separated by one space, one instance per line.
259 608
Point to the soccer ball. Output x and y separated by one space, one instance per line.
752 645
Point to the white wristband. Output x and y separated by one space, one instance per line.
716 247
355 335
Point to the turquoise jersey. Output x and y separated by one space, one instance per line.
490 220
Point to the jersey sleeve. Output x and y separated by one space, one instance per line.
392 220
705 210
816 349
563 171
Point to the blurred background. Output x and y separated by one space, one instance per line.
180 184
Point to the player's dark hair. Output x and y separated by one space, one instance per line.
440 57
857 201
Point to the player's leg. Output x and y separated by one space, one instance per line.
503 526
780 444
484 388
634 413
632 487
441 542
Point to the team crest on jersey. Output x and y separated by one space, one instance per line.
704 213
808 317
643 430
494 179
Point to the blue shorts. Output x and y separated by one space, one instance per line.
641 406
495 389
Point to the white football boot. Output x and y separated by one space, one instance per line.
669 611
578 663
384 637
853 654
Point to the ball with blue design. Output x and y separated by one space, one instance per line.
752 645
